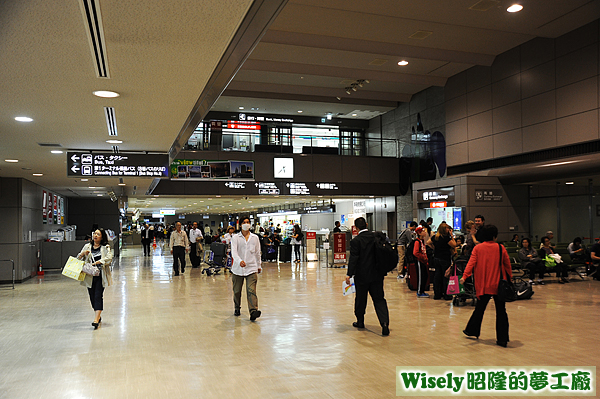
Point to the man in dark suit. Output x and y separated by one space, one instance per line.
147 236
367 279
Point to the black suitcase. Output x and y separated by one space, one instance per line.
285 253
412 278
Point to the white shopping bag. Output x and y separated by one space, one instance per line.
348 289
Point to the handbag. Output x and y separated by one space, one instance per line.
454 285
73 268
90 269
506 289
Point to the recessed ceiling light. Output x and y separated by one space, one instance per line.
122 184
84 179
23 119
354 115
299 111
403 62
56 151
114 141
99 195
106 94
241 107
41 174
92 187
515 8
570 182
11 160
556 164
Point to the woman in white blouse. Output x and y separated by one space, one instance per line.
245 250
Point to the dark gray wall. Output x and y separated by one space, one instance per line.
21 204
539 95
85 212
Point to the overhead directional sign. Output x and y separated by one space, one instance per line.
109 164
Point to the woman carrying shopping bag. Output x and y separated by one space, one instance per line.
97 253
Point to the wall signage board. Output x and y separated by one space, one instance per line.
328 186
487 195
108 164
236 185
311 245
265 188
298 189
243 125
45 208
437 194
438 204
263 118
317 209
339 248
201 169
360 208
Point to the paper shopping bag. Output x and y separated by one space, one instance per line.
453 285
73 268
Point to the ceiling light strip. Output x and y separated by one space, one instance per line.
93 22
111 120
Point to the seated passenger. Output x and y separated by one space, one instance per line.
560 268
595 257
515 238
577 251
531 261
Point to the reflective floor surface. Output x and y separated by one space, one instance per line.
176 337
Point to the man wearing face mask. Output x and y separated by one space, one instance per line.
245 250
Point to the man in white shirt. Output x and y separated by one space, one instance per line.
180 244
195 239
245 250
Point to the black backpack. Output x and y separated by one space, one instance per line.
524 290
386 256
409 256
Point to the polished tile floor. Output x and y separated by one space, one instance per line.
176 337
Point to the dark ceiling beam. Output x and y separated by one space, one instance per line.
342 73
376 48
259 17
309 98
333 92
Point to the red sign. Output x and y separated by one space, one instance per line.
311 235
439 204
243 125
339 248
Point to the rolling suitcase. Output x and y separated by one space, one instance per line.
412 278
285 253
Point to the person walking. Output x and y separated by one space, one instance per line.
98 253
147 235
367 279
195 241
245 250
443 245
489 261
180 244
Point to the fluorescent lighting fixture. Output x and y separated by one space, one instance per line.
84 179
570 182
299 111
99 195
41 174
56 151
403 62
354 115
11 160
515 8
114 141
23 119
241 107
556 164
106 94
122 184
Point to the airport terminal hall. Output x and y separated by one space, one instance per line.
299 199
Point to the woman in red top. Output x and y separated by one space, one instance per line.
485 259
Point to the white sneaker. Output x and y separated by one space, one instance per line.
530 281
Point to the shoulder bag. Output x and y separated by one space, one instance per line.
506 289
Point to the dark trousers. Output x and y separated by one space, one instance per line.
440 282
193 257
96 292
375 289
297 251
536 267
178 257
474 325
146 246
422 274
561 270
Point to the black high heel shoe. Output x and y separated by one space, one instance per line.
97 324
470 335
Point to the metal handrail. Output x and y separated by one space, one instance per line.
13 270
